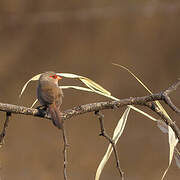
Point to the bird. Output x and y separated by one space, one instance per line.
50 96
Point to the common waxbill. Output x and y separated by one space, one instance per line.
50 96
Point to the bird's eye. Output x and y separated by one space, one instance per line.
54 76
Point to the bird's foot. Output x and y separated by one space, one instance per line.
42 107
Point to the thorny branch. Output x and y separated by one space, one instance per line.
104 134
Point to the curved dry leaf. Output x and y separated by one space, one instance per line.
69 75
88 82
173 140
94 85
134 76
35 78
142 112
76 87
157 102
34 103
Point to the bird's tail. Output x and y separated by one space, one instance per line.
55 115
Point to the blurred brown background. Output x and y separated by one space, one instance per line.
85 37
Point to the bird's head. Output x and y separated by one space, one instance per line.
51 77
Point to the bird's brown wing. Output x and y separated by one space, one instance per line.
58 98
46 96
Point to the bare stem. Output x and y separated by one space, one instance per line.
167 99
64 153
3 132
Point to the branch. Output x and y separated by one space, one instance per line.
167 99
3 133
93 107
105 135
64 152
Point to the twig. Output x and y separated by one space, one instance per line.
167 99
168 121
3 133
104 134
64 152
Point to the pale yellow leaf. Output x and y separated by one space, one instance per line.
69 75
76 87
133 76
35 78
157 102
89 90
34 103
88 82
94 85
173 140
142 112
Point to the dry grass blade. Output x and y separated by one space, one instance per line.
142 112
69 75
93 85
88 82
157 102
173 140
34 103
35 78
133 76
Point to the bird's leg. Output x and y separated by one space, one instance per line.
42 109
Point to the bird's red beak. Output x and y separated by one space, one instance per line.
58 77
